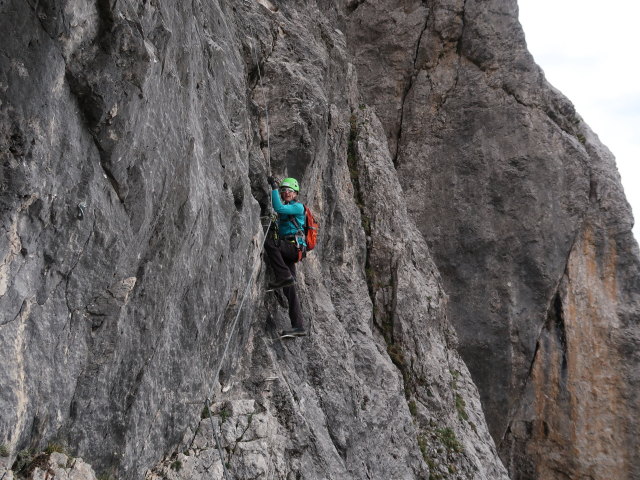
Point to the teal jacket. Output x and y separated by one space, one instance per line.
296 209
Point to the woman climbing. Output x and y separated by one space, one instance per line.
285 247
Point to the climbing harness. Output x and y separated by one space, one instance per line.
307 234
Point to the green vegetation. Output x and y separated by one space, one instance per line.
460 407
434 474
225 413
422 443
177 465
4 451
455 375
443 466
55 447
23 460
459 400
413 408
449 440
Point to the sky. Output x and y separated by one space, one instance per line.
590 51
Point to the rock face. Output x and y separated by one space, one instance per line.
129 228
524 213
454 188
45 466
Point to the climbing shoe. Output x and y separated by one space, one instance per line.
294 332
287 282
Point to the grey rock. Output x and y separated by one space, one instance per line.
135 139
410 311
515 196
61 467
91 356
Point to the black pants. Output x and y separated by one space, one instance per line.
283 256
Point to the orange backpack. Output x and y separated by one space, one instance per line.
310 228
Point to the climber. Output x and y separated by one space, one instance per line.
284 247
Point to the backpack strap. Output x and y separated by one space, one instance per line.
302 247
292 219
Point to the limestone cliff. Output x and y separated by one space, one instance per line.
464 207
523 210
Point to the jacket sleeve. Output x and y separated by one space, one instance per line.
295 208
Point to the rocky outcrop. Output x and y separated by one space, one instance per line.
523 210
412 410
135 139
582 391
48 465
129 226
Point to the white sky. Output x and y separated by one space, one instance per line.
590 51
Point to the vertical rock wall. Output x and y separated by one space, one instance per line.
129 227
516 198
135 139
582 394
376 390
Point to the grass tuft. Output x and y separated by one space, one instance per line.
460 407
449 440
55 447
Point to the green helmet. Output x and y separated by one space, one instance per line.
291 183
